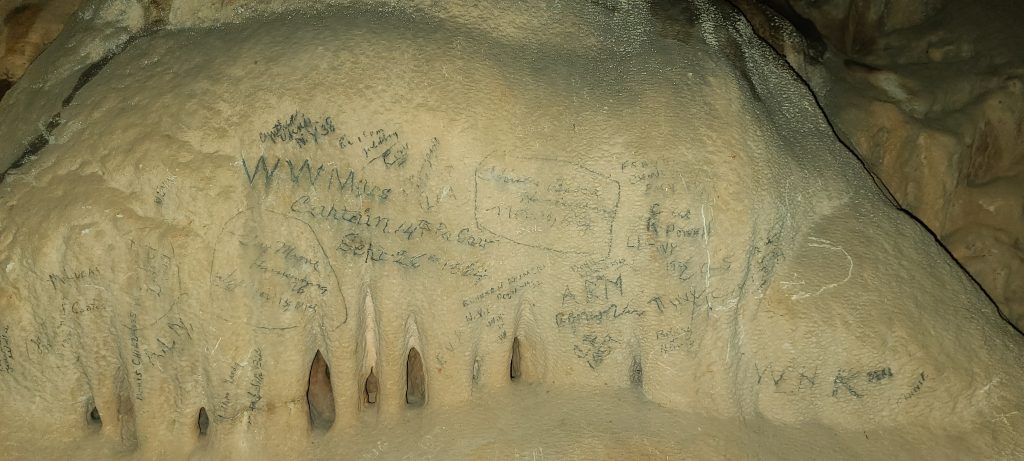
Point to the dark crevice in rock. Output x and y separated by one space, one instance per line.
94 69
372 387
415 379
320 394
5 86
805 27
94 417
203 421
43 139
36 144
516 367
88 74
751 14
636 373
745 8
949 253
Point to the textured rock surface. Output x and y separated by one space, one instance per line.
544 231
27 27
928 94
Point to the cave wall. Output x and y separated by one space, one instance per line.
927 93
593 230
929 96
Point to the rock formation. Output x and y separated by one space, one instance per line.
27 28
449 231
928 94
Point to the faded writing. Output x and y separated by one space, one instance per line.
509 287
595 348
255 392
345 181
73 276
299 129
547 204
136 351
575 318
358 246
6 353
366 219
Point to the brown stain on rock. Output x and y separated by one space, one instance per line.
415 379
320 394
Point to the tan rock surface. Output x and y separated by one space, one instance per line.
632 235
928 94
25 30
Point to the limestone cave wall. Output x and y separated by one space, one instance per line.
929 94
452 229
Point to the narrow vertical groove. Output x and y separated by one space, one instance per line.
320 395
636 363
371 388
415 379
476 371
636 373
203 421
515 369
528 359
369 365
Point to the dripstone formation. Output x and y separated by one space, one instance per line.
449 231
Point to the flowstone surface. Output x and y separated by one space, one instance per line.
446 233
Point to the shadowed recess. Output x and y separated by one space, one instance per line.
636 373
320 395
203 421
371 387
515 367
415 380
5 86
94 417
